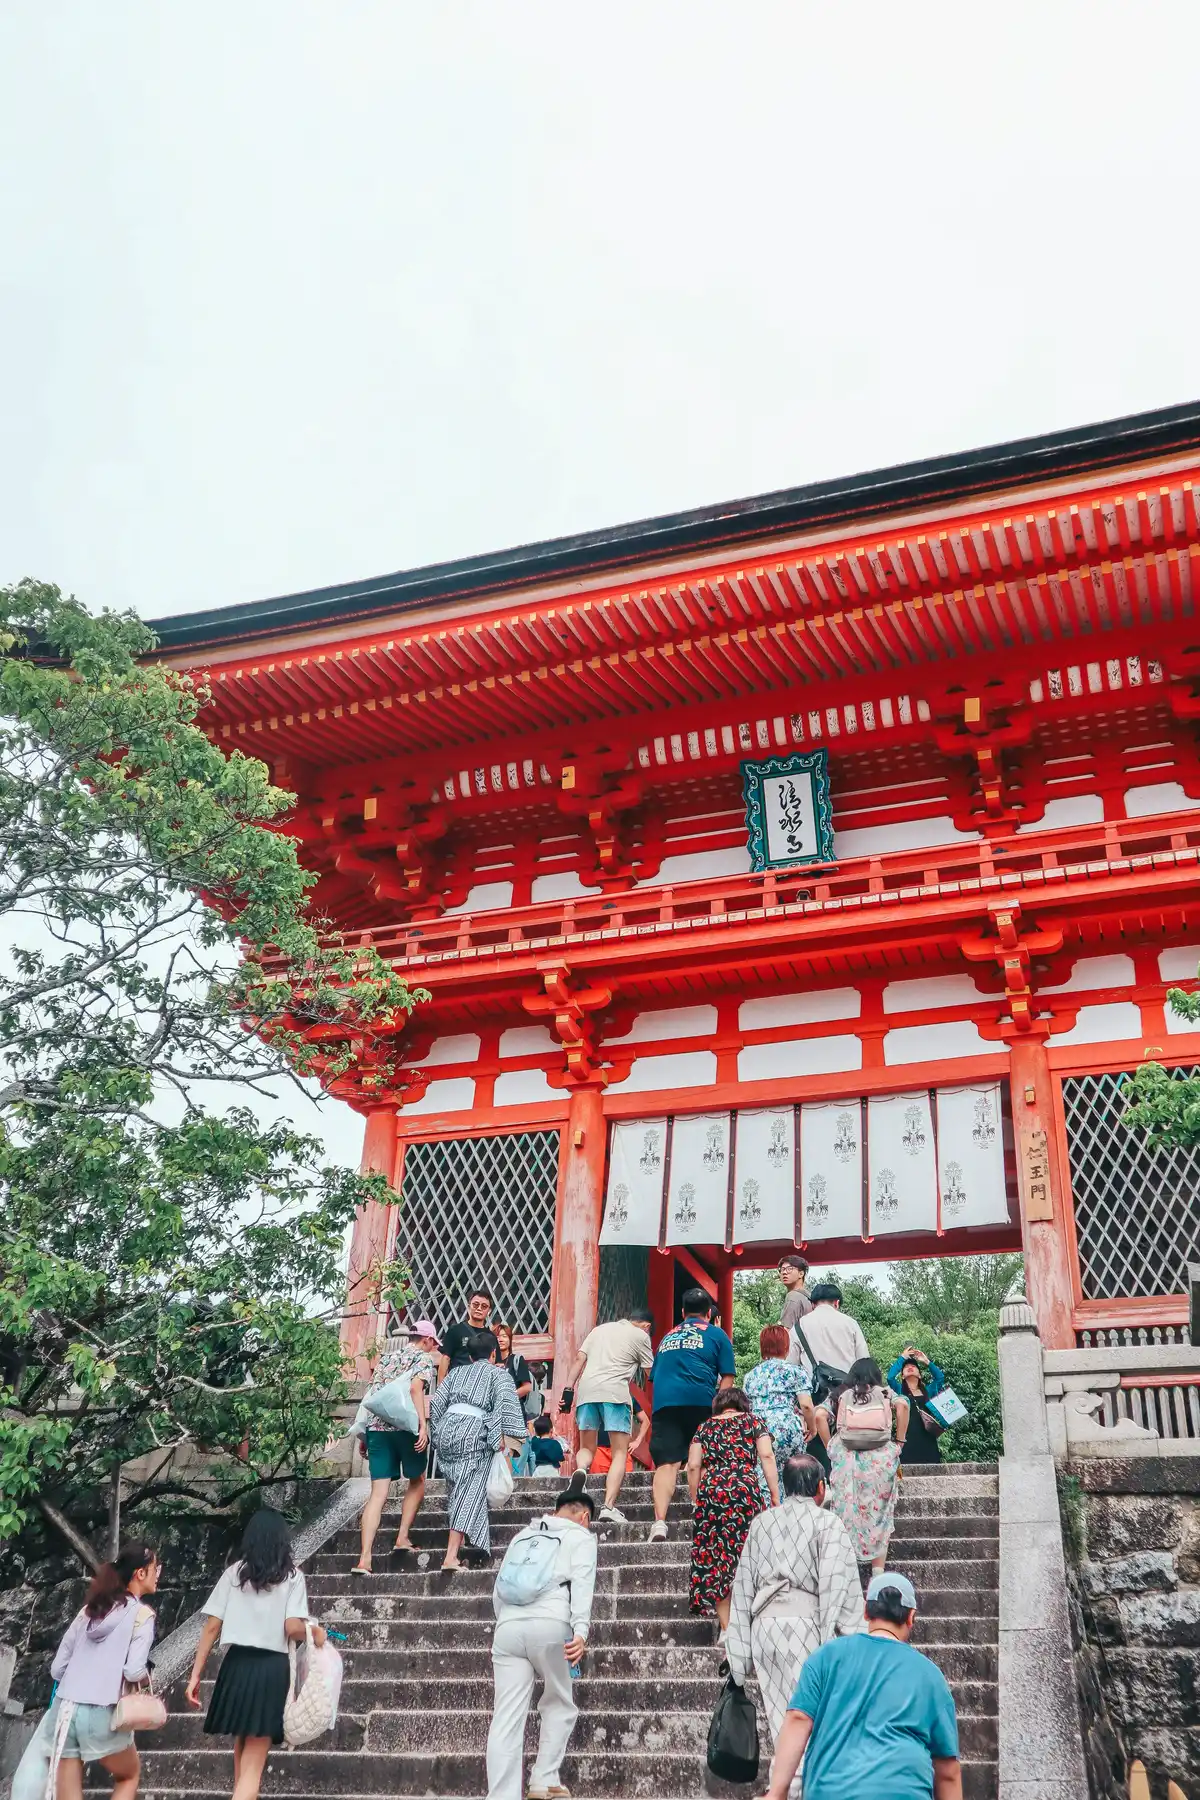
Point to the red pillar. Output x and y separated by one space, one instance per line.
1049 1274
725 1298
660 1297
576 1289
369 1242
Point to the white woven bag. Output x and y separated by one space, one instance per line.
311 1709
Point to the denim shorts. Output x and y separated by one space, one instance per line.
603 1415
89 1735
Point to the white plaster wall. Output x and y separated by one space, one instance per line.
1159 797
463 1049
931 1043
799 1056
649 1074
521 1087
1177 1027
700 865
903 834
565 885
1069 809
455 1094
1095 972
1179 964
1097 1024
671 1022
527 1040
489 896
927 991
811 1008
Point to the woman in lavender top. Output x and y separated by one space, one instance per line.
105 1645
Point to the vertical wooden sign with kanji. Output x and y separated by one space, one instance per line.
789 817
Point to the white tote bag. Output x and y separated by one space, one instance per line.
311 1706
500 1480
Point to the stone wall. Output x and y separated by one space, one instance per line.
42 1585
1133 1525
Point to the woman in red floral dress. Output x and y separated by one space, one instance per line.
722 1474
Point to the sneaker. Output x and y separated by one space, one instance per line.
658 1532
613 1515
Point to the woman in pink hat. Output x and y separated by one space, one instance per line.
393 1452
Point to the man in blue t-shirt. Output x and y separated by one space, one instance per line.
693 1361
875 1716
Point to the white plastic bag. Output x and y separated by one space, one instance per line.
500 1480
316 1686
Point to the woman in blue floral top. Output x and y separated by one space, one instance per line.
393 1453
781 1395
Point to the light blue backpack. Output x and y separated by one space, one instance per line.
530 1566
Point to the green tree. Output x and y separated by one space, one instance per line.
1165 1103
955 1293
170 1267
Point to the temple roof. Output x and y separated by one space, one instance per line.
902 489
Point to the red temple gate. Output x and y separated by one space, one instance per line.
524 780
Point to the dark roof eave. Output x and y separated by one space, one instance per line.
1028 460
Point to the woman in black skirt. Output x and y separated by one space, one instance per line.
258 1604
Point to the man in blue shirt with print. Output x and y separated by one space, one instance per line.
875 1716
693 1361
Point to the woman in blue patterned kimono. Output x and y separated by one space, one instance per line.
781 1395
472 1413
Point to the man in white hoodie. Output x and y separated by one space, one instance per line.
541 1636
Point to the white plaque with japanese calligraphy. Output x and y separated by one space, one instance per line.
903 1164
764 1191
789 816
831 1169
636 1173
971 1156
698 1195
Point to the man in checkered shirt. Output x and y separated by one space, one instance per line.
796 1587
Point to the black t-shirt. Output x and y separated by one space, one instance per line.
519 1369
455 1341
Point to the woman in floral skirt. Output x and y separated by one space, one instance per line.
863 1483
726 1454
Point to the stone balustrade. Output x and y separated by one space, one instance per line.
1137 1401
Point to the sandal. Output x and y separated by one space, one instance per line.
361 1569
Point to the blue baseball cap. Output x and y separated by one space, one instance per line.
902 1585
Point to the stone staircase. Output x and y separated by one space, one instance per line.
416 1702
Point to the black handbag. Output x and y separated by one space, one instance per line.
733 1735
826 1380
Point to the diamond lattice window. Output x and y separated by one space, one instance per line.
1137 1210
481 1209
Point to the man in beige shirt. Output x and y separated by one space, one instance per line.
610 1357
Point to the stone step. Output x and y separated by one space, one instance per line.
628 1582
426 1629
391 1739
946 1494
464 1778
376 1678
654 1613
429 1533
375 1701
626 1547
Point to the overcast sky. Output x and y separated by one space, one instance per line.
292 293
